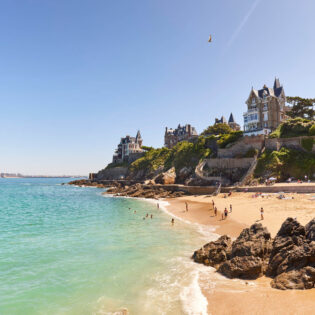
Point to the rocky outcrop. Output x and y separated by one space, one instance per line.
289 258
166 178
292 260
310 230
214 253
85 182
183 174
250 253
143 191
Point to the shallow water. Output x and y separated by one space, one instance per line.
71 250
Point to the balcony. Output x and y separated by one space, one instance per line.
251 111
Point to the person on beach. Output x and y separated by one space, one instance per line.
225 213
158 205
172 221
135 212
147 215
186 203
215 211
212 203
230 208
151 216
261 213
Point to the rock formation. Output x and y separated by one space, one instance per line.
166 178
289 258
214 253
292 260
249 255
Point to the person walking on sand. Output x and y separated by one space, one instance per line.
186 203
225 213
215 211
230 208
261 213
212 203
158 205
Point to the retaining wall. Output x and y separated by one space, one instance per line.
293 143
242 146
229 163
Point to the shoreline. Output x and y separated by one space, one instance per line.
235 296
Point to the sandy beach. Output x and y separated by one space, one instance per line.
248 297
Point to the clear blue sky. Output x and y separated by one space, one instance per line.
77 75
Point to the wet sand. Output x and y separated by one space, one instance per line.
248 297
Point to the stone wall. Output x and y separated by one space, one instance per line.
229 163
276 144
242 146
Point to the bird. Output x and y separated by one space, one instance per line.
210 39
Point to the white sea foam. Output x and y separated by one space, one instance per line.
192 299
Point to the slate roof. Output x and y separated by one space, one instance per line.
275 91
231 119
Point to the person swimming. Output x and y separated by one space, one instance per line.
172 221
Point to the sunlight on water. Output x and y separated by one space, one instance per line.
71 250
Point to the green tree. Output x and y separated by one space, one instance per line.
301 107
218 129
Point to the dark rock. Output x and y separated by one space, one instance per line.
245 267
288 241
295 279
250 253
183 174
254 241
310 230
214 253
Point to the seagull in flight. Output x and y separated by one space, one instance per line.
210 39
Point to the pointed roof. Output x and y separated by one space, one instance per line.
138 136
276 84
231 119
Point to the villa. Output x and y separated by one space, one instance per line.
266 110
129 149
181 133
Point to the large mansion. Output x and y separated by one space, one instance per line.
265 109
129 149
181 133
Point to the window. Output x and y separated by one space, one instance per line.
245 119
266 106
265 124
265 116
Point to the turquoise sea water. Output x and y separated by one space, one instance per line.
71 250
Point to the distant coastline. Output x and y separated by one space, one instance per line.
12 175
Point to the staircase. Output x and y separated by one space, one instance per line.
251 169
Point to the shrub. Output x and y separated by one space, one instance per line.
229 138
251 153
285 163
307 144
113 165
217 129
293 128
182 154
311 131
